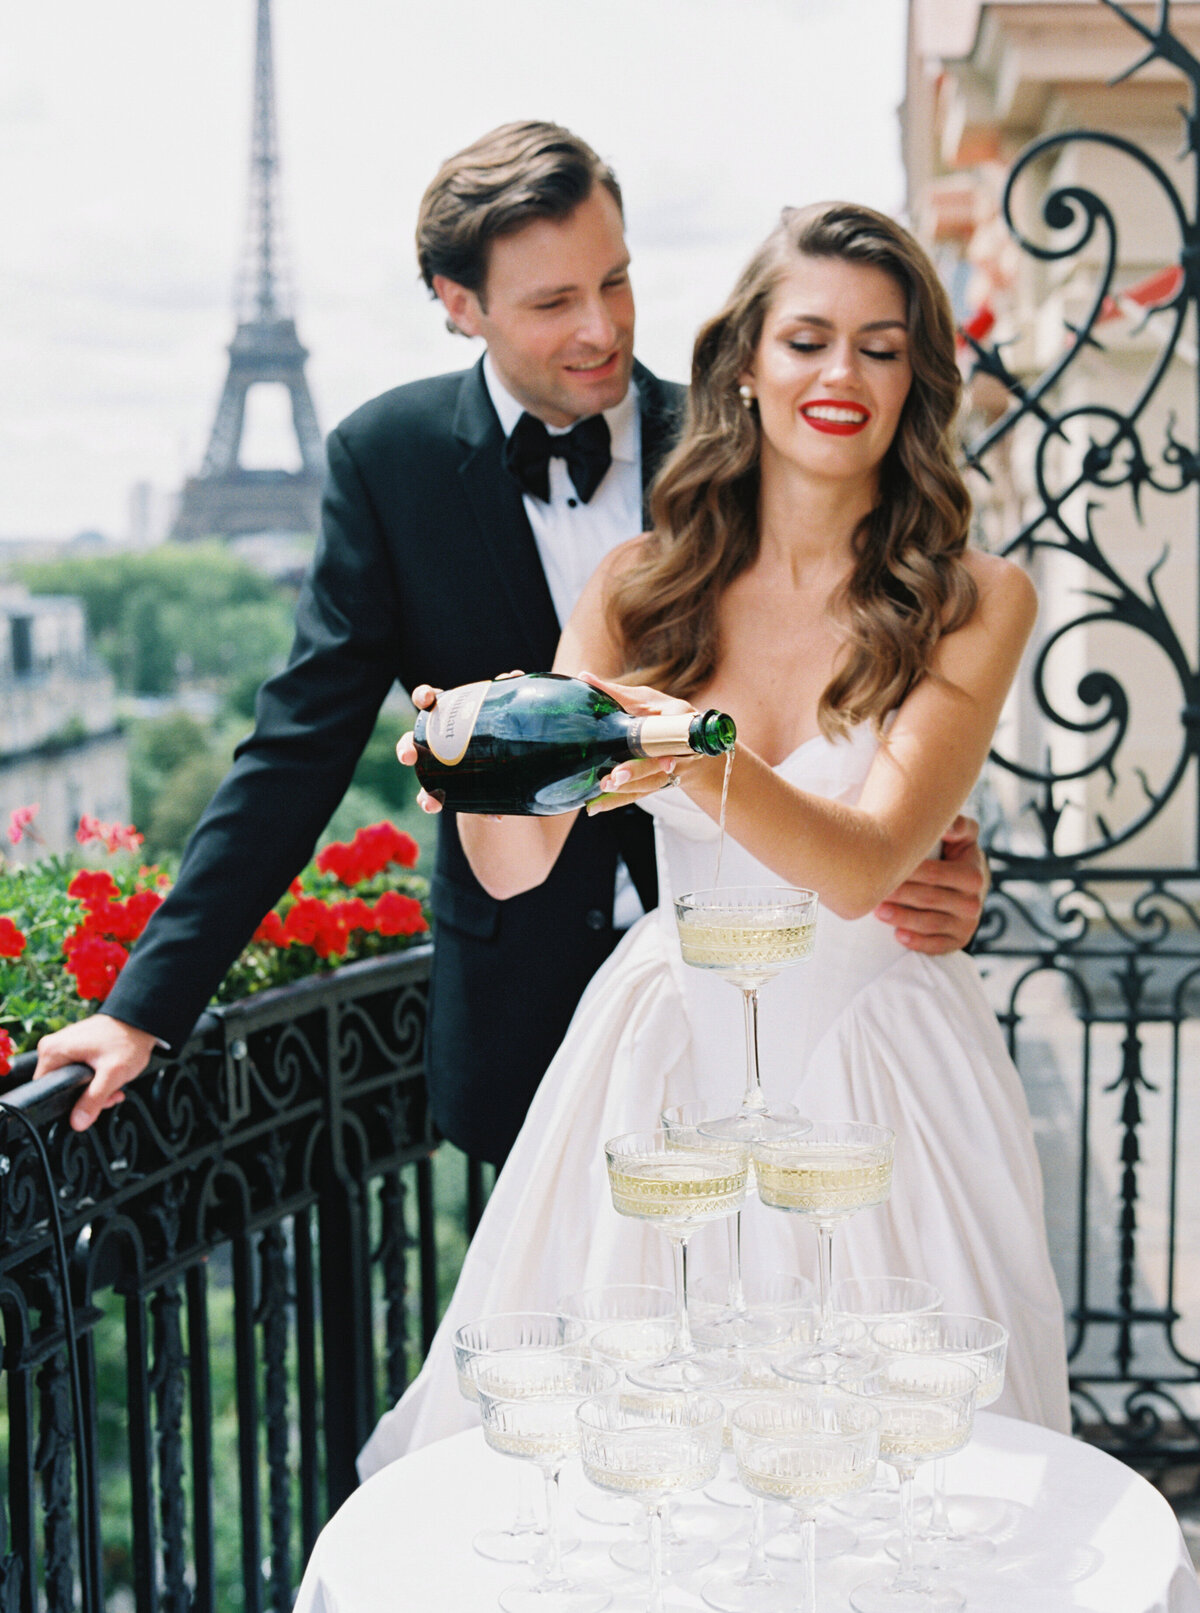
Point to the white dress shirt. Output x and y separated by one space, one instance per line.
573 537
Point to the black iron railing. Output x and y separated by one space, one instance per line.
1093 948
253 1278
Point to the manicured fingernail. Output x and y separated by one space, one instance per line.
886 912
670 767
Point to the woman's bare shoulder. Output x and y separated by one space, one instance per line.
624 557
1005 589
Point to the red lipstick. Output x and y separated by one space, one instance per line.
835 427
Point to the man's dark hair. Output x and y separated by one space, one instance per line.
495 186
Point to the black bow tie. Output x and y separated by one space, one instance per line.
586 448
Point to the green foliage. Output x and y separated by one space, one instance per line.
175 611
379 771
186 792
158 747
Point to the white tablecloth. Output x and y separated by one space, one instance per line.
1087 1533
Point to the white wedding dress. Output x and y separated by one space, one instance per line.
864 1030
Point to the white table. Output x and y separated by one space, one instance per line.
1087 1533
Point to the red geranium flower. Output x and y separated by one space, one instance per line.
116 836
396 914
271 930
6 1052
368 854
12 942
19 821
95 963
305 921
93 887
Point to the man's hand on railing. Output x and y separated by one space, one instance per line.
117 1052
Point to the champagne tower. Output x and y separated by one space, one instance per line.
225 498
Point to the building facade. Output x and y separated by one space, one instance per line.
60 744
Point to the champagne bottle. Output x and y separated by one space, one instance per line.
538 744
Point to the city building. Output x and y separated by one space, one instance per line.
60 746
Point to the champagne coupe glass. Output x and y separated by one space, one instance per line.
982 1345
927 1406
821 1349
677 1189
523 1331
689 1125
528 1404
651 1446
807 1447
830 1173
787 1301
753 1588
747 934
637 1346
873 1300
598 1308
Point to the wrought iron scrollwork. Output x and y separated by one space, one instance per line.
173 1183
1084 457
1112 938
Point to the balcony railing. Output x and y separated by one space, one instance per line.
252 1258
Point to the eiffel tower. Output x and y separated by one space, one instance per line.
225 498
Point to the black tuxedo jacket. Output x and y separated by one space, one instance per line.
426 570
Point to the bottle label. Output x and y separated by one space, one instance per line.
449 726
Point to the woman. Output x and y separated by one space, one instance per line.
808 572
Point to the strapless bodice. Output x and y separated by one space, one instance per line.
847 955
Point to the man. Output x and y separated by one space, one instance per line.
462 516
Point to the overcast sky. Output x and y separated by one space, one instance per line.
124 138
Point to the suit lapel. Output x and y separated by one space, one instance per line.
504 530
661 411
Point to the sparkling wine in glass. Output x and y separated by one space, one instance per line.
702 1125
524 1539
747 934
828 1174
528 1404
808 1447
651 1446
676 1189
983 1346
927 1409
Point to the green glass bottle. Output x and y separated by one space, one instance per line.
538 744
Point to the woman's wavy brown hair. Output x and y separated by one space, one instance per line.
909 584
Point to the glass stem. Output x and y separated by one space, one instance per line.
683 1331
806 1580
753 1103
825 1277
525 1522
756 1568
654 1528
939 1516
737 1294
907 1579
552 1569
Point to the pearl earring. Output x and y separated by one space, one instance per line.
746 395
